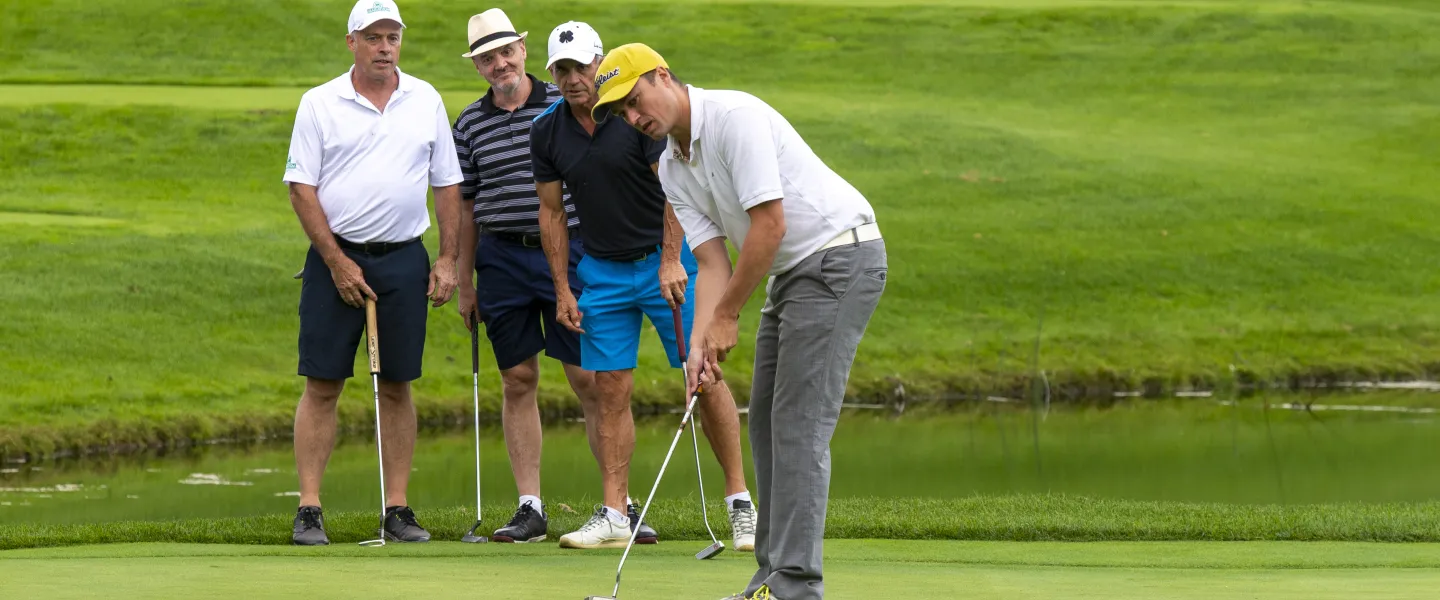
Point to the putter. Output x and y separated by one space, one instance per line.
373 345
716 547
689 408
470 537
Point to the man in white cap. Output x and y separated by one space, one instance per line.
636 265
365 147
736 168
513 296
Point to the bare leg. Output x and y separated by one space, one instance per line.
397 422
315 434
583 383
521 418
721 423
615 430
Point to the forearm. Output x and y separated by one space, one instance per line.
554 235
674 236
306 203
713 275
761 244
447 213
468 238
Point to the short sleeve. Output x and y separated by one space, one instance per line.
747 145
444 161
302 164
541 161
469 174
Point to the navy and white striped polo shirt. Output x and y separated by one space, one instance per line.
494 149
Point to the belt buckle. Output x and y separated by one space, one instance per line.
525 240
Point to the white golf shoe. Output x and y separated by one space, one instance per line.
598 532
742 523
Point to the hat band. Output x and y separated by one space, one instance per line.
490 38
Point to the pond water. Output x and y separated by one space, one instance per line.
1185 449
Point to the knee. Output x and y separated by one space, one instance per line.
394 392
613 391
323 392
520 380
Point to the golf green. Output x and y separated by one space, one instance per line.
855 569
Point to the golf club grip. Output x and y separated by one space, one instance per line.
475 344
679 334
372 338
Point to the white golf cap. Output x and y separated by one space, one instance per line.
576 41
367 12
490 30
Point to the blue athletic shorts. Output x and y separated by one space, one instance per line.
516 298
615 296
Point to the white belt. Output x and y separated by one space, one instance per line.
863 233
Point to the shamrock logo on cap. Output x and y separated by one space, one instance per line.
567 37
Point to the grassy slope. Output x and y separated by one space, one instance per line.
998 518
1172 184
854 569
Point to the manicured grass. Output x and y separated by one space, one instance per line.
855 569
1176 186
1000 518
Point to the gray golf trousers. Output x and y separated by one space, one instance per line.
810 328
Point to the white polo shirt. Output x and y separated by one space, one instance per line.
372 170
744 153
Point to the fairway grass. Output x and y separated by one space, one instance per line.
855 570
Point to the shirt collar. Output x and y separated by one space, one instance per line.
697 122
347 91
539 94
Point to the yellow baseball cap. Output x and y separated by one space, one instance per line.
619 71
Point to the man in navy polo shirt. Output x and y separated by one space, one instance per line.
636 264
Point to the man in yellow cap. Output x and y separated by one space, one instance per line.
735 169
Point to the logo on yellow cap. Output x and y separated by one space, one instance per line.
620 69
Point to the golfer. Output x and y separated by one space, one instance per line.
636 265
734 168
512 295
365 147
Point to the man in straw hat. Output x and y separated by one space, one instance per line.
636 265
736 169
513 295
365 147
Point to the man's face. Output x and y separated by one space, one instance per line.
651 106
575 80
504 67
376 48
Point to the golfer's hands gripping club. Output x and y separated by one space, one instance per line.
567 311
467 304
350 281
442 281
720 336
673 281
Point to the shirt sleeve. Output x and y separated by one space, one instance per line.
698 227
469 174
302 164
541 163
444 161
747 146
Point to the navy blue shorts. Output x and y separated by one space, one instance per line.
331 330
516 299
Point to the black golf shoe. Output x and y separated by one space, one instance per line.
401 526
528 525
647 534
309 527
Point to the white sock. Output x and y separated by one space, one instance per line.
535 503
745 495
617 517
629 501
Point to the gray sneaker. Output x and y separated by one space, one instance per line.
309 527
742 524
401 526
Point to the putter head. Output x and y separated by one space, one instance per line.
711 552
471 538
373 543
599 598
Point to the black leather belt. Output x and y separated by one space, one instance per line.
373 248
528 240
634 255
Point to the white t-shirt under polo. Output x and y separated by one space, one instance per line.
744 153
371 169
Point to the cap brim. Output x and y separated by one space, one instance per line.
493 44
615 94
365 24
576 55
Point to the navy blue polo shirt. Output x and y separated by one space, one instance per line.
617 196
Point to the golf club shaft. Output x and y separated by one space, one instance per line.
373 344
680 344
475 367
645 509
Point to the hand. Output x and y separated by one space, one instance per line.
350 281
465 303
672 282
567 312
721 335
442 281
696 373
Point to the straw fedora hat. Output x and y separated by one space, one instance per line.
490 30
